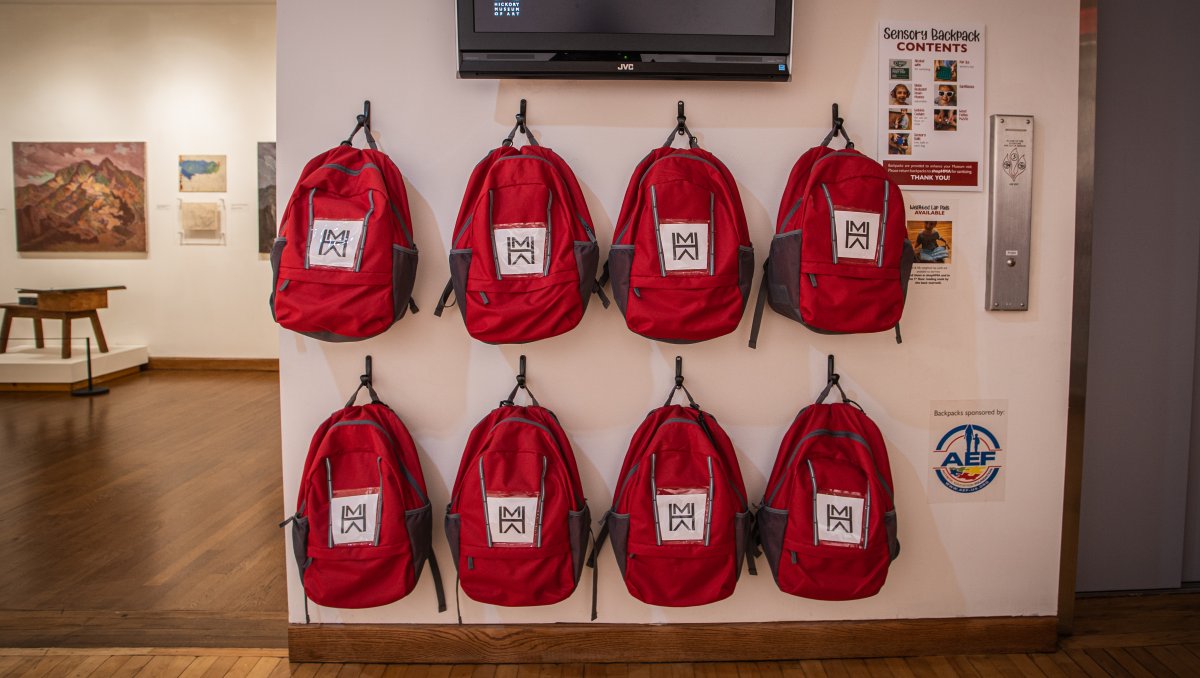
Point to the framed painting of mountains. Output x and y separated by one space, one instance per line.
80 197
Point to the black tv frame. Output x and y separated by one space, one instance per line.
621 56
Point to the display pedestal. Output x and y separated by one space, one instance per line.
27 368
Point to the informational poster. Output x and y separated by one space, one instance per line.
931 233
967 443
931 90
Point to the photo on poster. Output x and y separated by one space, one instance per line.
943 146
901 69
899 144
202 174
267 221
930 225
80 197
968 453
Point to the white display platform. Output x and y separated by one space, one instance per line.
30 365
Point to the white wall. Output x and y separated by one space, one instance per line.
998 558
184 79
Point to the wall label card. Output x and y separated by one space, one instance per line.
684 246
682 514
512 520
839 518
967 450
354 516
930 223
521 249
931 90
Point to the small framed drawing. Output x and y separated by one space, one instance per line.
202 222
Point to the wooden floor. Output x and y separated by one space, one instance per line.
148 515
147 518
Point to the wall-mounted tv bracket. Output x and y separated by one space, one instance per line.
839 127
520 127
681 129
363 123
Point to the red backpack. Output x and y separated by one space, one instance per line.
363 526
518 523
681 261
345 262
524 256
827 522
680 521
840 258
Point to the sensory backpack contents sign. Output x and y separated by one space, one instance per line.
967 451
931 90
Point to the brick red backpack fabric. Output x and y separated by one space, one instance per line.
680 522
345 262
524 256
840 259
518 523
827 522
681 262
363 526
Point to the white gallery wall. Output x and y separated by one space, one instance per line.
185 79
971 558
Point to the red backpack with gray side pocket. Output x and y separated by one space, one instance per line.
827 522
840 259
680 522
344 263
363 527
681 262
523 257
518 523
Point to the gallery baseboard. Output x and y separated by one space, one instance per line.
606 643
10 387
233 364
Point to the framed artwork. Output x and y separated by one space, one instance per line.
203 174
80 197
267 222
201 222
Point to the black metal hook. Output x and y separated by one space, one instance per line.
681 128
678 372
521 118
366 378
833 377
681 118
839 127
521 373
365 118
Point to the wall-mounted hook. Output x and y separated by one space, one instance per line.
365 118
367 377
680 117
521 118
832 377
521 372
678 372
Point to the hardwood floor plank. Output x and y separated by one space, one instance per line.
45 666
220 667
1107 662
132 665
1148 661
899 668
109 666
1025 665
963 666
264 667
1058 664
165 666
305 670
1178 659
86 666
1084 661
1127 662
199 666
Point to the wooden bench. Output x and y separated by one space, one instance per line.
65 305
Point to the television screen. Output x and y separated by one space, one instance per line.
666 17
702 39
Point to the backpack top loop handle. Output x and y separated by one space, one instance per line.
681 129
365 381
839 127
364 124
680 387
511 399
834 380
520 127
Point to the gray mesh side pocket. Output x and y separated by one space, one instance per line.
783 275
742 525
579 525
889 522
771 525
620 265
404 275
460 268
420 536
300 544
453 527
587 258
745 271
618 534
276 256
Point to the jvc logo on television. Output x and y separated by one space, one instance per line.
510 8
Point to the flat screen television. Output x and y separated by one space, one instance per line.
618 39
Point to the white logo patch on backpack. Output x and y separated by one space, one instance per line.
512 520
857 234
682 517
335 243
354 516
520 249
839 518
684 246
